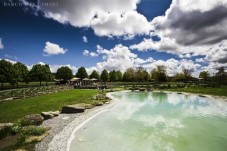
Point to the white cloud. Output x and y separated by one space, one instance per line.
121 58
88 53
12 61
1 44
85 39
11 57
106 18
53 49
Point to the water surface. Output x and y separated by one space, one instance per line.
156 122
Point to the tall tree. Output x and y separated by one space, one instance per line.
159 73
21 72
113 76
7 72
220 75
104 76
81 73
205 75
142 75
38 73
64 73
129 75
95 75
119 75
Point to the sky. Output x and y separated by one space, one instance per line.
115 34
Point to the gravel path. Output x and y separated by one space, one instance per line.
63 126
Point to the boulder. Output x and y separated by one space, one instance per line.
5 125
33 119
50 114
76 108
5 130
100 97
98 103
47 115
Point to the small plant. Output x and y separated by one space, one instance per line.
16 128
33 131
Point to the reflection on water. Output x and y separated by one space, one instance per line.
156 122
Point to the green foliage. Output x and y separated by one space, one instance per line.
16 128
21 72
33 131
7 72
81 73
119 75
41 73
142 75
95 75
129 75
205 75
113 76
159 73
64 73
104 76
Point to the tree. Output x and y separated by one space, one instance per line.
205 75
21 72
113 76
104 76
129 75
95 75
38 72
48 74
220 75
81 73
159 73
119 75
7 72
187 73
142 75
64 73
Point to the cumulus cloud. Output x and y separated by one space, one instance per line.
88 53
127 59
84 39
53 49
191 28
106 18
1 44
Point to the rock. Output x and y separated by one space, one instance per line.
98 103
76 108
47 115
50 114
5 125
100 97
33 119
56 113
5 130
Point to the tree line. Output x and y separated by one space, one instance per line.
18 72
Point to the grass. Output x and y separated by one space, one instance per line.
222 91
14 110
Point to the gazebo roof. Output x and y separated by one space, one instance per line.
86 79
93 79
75 79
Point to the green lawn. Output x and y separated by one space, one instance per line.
222 91
13 110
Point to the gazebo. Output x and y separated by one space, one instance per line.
74 81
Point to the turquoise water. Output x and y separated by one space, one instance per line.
156 122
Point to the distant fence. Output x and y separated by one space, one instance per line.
31 92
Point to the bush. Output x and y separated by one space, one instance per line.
33 131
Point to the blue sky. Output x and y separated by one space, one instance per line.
118 34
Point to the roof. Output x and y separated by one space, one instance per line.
75 79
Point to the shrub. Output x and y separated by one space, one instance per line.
33 131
